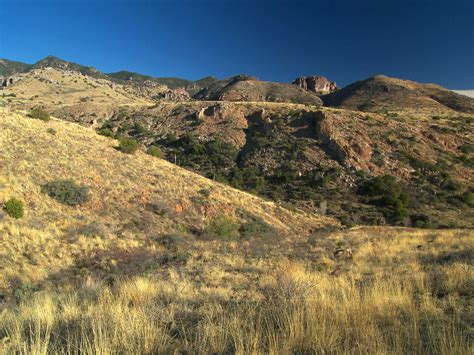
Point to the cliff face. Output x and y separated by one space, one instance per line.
318 84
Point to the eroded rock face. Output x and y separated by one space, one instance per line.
179 94
7 81
318 84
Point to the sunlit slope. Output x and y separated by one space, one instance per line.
133 199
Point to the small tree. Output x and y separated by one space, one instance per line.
14 208
128 145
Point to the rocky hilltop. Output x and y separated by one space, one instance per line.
382 93
247 88
317 84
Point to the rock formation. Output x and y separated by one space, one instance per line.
318 84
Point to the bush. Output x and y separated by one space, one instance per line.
386 192
67 192
106 132
256 227
39 114
467 198
14 208
155 151
128 145
223 227
51 131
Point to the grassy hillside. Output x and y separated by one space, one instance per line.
161 260
134 199
381 93
10 67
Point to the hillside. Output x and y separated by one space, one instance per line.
381 93
70 94
152 263
314 158
318 158
245 88
134 201
10 67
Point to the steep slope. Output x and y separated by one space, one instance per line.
381 93
134 201
69 93
318 158
245 88
10 67
61 64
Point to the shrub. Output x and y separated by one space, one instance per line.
222 227
155 151
386 192
128 145
51 131
39 114
467 198
256 227
106 132
67 192
14 208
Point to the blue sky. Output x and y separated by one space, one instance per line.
421 40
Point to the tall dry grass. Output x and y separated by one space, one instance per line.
418 303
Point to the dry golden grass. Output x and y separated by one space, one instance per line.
52 86
405 291
103 278
134 198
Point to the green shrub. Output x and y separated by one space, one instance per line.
386 192
128 145
67 192
14 208
155 151
222 227
51 131
106 132
467 198
256 227
39 114
140 129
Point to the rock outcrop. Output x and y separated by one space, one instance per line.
7 81
318 84
179 94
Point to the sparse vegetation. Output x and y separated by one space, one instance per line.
14 208
146 268
39 114
66 192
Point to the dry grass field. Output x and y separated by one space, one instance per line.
136 269
404 292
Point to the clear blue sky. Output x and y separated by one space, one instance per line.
422 40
